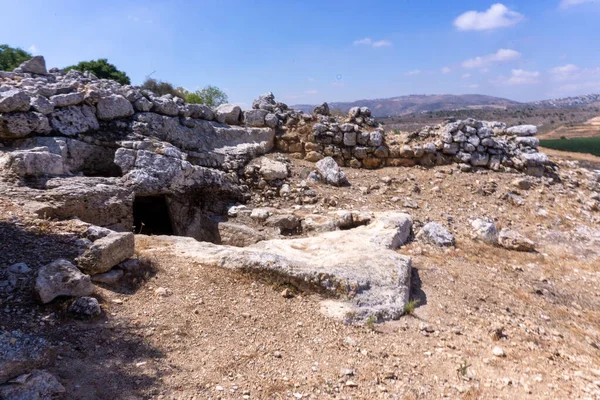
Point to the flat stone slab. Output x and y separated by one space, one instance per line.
358 266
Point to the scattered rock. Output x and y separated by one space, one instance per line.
21 352
19 268
85 307
434 233
512 240
498 352
35 385
109 278
330 172
485 231
61 278
35 65
106 252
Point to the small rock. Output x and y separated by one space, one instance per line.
19 268
61 278
498 352
85 307
512 240
163 292
436 234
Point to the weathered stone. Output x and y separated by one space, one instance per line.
35 65
271 120
85 307
65 100
232 234
286 223
436 234
228 114
165 106
255 117
109 278
19 125
71 121
106 252
112 107
14 100
512 240
522 130
34 385
323 109
356 263
61 278
350 138
331 172
143 105
21 352
484 231
41 105
33 163
268 168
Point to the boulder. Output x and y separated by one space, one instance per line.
33 163
271 120
41 105
228 114
265 102
14 100
21 352
21 124
165 106
34 385
106 252
71 121
513 240
61 278
109 278
323 109
484 231
65 100
371 280
255 117
269 169
112 107
522 130
436 234
200 111
286 223
35 65
232 234
331 172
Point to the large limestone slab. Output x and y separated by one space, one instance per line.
106 252
358 265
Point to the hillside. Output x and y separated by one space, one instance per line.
418 103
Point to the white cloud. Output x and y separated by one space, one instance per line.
465 76
519 77
382 43
369 42
413 72
473 86
311 91
446 70
565 72
569 3
500 56
33 49
497 16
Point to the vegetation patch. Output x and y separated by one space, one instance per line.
577 145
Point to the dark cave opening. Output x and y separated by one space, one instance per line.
151 215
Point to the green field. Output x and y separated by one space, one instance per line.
578 145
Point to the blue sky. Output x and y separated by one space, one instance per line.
314 51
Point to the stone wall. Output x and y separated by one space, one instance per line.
357 141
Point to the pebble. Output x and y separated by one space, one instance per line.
498 352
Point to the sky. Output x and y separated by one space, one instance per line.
307 52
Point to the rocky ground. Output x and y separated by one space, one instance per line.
488 322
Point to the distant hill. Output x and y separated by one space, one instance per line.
420 103
576 101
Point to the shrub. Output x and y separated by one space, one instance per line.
102 69
11 57
160 88
210 95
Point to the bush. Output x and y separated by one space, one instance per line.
102 69
210 95
160 88
11 57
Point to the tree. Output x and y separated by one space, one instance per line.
160 88
210 95
102 69
11 57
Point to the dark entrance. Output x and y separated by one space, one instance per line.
151 215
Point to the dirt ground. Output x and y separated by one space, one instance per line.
216 334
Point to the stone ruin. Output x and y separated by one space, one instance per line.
121 159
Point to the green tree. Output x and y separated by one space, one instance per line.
102 69
210 95
160 88
11 57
